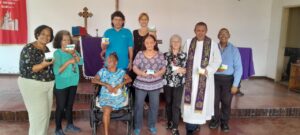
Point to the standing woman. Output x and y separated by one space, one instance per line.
139 36
36 80
66 80
175 73
149 65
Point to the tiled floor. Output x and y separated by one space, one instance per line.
259 93
270 126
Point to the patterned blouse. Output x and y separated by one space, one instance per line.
31 56
174 79
155 63
113 100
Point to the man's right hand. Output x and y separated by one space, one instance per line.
220 70
102 54
104 46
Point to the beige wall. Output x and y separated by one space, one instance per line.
248 20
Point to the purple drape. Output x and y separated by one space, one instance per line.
91 48
247 62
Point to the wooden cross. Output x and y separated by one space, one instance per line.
117 5
85 14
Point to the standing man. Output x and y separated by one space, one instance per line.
227 80
119 40
203 61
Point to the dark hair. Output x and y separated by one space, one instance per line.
39 30
117 14
59 37
200 24
223 29
155 46
114 54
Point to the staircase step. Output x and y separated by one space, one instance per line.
270 101
81 111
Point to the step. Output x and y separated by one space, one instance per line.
81 111
263 99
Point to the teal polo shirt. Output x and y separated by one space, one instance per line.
119 42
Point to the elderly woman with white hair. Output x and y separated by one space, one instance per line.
174 76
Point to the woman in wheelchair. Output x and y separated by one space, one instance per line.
112 81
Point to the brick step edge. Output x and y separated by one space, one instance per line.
83 114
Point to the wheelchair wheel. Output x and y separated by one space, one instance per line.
92 115
91 118
130 124
94 128
129 127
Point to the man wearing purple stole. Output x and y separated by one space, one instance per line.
203 60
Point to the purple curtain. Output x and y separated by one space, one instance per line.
247 62
91 48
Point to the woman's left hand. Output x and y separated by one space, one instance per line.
181 70
70 51
115 89
156 74
47 63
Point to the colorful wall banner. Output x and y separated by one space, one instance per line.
13 22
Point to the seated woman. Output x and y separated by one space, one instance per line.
112 81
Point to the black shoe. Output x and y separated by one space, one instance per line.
169 125
224 127
72 128
240 94
59 132
189 132
197 129
213 124
175 131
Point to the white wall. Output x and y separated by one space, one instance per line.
248 20
276 38
59 14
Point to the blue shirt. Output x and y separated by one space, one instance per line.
232 58
119 42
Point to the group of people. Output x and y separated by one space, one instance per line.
196 78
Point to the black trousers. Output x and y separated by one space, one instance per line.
64 104
173 96
223 84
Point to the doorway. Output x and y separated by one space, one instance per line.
289 43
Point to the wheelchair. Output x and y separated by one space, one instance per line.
124 114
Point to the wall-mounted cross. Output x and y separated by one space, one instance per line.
85 14
117 5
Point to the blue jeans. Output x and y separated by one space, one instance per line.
140 96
